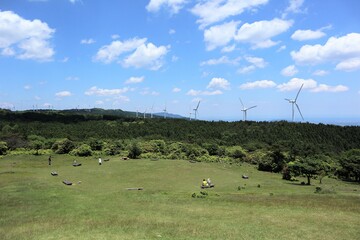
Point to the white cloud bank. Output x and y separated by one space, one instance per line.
344 51
312 85
289 71
134 80
258 34
63 94
219 83
142 54
213 11
25 39
174 5
105 92
258 84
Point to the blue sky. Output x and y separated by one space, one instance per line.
143 54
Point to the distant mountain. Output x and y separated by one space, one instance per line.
169 115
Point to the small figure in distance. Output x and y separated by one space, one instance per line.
205 183
208 181
49 160
100 161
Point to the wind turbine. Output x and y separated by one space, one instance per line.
152 108
196 109
145 113
165 111
244 109
293 102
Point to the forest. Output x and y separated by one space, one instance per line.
293 149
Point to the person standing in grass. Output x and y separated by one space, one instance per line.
205 183
49 160
100 161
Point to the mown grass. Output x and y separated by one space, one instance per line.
36 205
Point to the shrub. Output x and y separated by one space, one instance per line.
83 150
3 148
134 150
63 146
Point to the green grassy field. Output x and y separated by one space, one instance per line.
36 205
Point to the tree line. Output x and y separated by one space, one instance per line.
280 146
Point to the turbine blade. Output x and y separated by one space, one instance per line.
251 107
287 99
299 92
241 103
198 105
299 111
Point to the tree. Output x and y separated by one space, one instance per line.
3 148
83 150
63 146
310 167
134 150
350 163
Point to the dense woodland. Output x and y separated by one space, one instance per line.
313 150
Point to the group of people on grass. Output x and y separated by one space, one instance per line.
206 183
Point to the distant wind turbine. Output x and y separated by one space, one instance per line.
244 109
196 109
293 102
145 113
152 109
165 111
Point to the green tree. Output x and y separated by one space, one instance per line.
3 148
134 150
63 146
83 150
309 167
350 164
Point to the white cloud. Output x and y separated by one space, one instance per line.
219 83
303 35
259 34
320 73
121 99
142 54
87 41
99 102
256 62
349 65
228 48
327 88
63 94
110 53
294 7
221 60
147 56
8 52
25 39
105 92
174 58
295 84
134 80
176 90
172 31
334 50
115 36
27 87
220 35
247 69
289 71
282 48
258 84
193 92
72 78
6 105
213 11
174 5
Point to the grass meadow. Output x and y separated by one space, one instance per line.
36 205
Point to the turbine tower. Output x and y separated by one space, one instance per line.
293 102
165 112
244 109
145 113
196 109
152 109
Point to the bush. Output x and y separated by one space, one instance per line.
63 146
3 148
83 151
134 150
